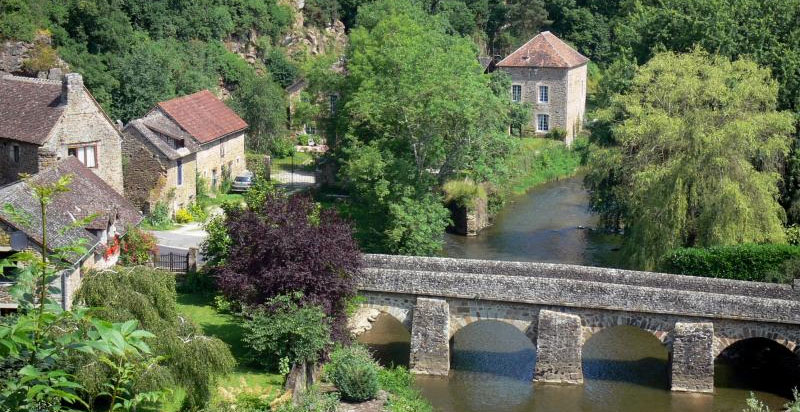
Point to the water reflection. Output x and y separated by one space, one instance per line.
625 369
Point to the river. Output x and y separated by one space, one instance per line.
625 369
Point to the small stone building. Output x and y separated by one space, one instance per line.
178 140
551 76
43 121
88 197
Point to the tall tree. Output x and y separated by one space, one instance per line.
419 110
692 156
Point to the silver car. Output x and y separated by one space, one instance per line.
242 182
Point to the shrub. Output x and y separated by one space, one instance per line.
279 247
283 328
137 247
198 213
403 396
280 147
793 235
302 139
463 192
354 373
742 262
312 401
159 216
557 134
183 216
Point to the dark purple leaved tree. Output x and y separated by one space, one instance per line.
287 246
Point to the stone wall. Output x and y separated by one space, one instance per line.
85 123
469 221
28 160
145 171
576 101
530 79
211 158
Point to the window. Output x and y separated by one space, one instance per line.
516 93
542 122
180 171
334 99
86 154
221 149
13 153
544 95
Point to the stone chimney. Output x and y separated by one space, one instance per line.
71 86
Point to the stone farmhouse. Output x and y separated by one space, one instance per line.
177 141
551 76
89 197
44 121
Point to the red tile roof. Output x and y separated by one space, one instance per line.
29 108
203 116
544 50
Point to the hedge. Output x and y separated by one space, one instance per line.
741 262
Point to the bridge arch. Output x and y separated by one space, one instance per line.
493 346
661 329
465 313
368 313
726 337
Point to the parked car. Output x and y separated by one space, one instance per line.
242 182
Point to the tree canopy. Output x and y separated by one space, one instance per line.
690 156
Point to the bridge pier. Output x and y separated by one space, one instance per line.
558 348
693 357
430 337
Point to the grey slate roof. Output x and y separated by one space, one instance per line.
157 122
88 195
29 108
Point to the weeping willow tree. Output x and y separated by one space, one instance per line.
689 156
192 361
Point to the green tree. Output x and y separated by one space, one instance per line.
262 104
692 156
417 110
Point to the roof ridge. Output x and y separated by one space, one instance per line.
25 79
552 46
518 49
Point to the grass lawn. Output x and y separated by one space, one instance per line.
200 310
539 160
302 161
222 198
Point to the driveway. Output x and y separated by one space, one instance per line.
298 181
184 237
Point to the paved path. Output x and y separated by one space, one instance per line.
298 181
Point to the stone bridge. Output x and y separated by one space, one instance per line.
559 307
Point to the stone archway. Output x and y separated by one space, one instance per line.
660 328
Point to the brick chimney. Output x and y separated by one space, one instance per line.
71 85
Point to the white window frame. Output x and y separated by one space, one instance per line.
81 152
516 97
544 94
542 122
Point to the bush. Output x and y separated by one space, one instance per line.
463 192
137 247
403 396
312 401
159 217
557 134
354 373
793 235
282 328
302 139
198 213
742 262
280 147
183 216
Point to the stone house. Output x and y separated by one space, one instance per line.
551 76
177 141
43 121
89 197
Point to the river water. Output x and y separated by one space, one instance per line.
625 369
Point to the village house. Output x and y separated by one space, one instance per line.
89 197
176 142
44 121
551 76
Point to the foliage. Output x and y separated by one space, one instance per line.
197 212
192 361
159 217
755 405
260 188
793 235
262 104
42 58
556 134
217 244
282 328
741 262
691 158
183 216
403 396
354 373
282 70
312 401
277 248
417 110
321 12
463 192
138 246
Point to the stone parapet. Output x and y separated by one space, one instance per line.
578 293
584 273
